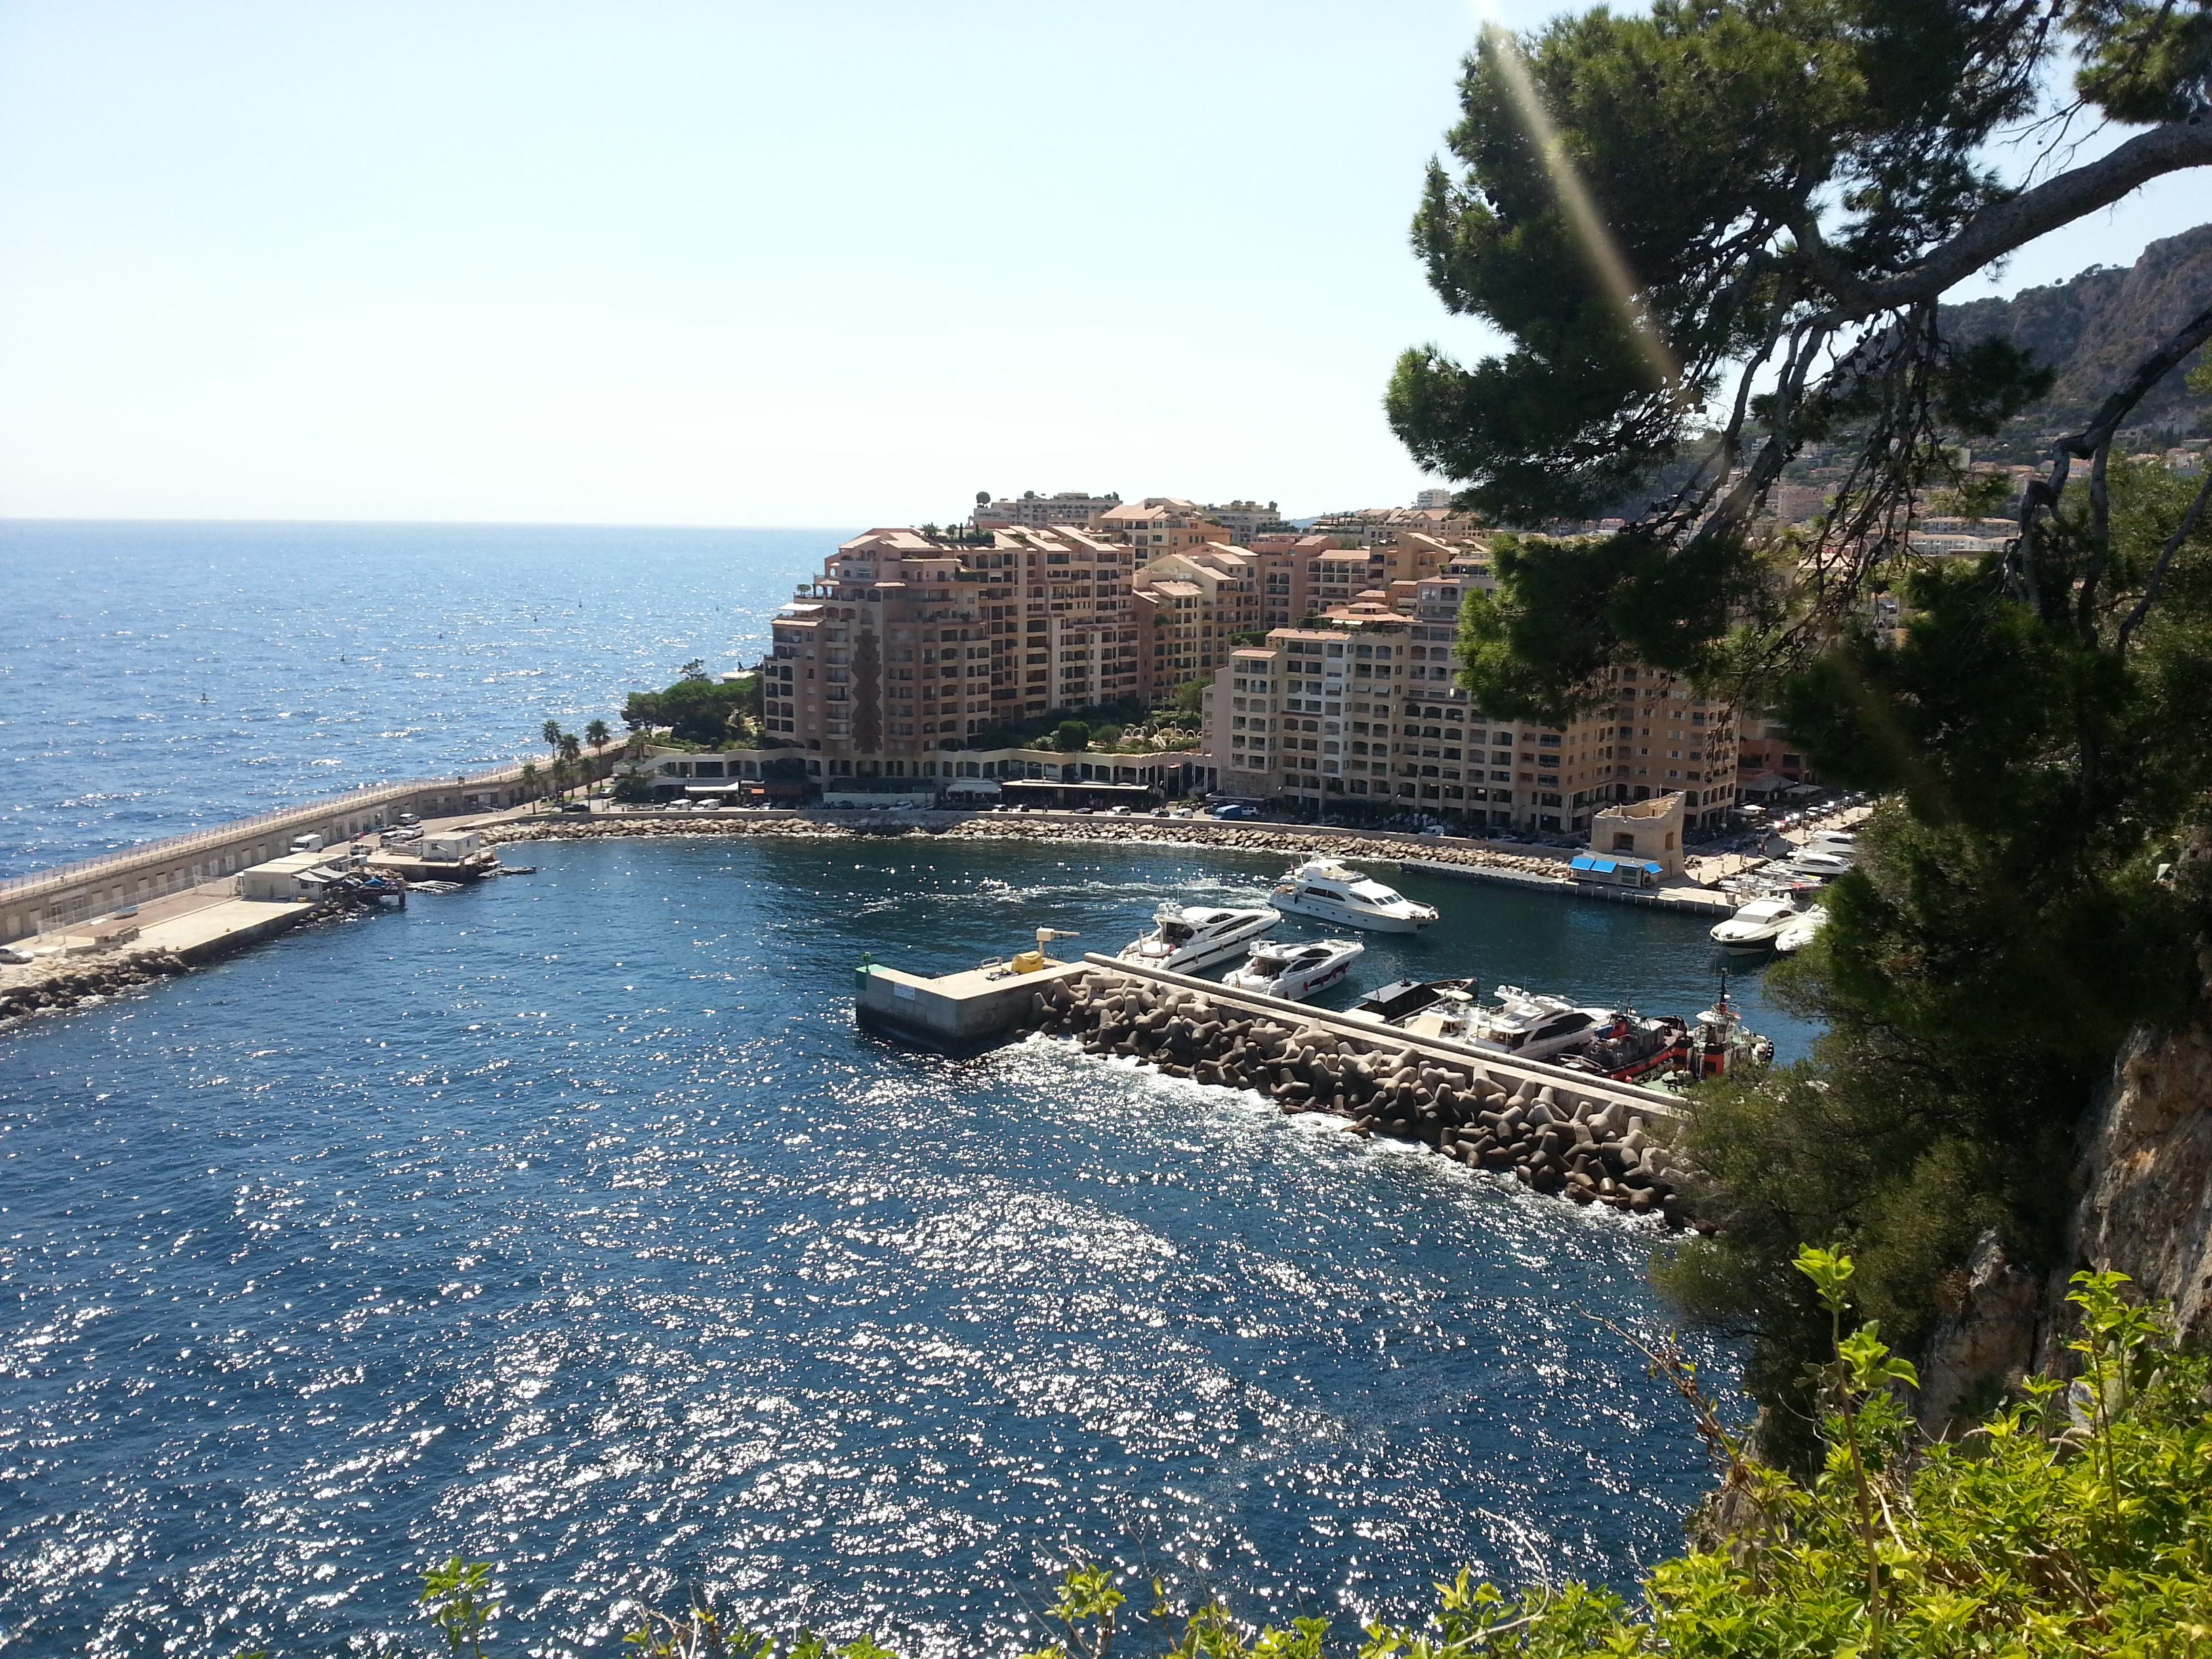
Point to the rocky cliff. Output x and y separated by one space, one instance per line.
2145 1177
2143 1206
2091 330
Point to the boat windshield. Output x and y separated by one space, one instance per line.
1374 892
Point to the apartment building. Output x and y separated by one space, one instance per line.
1031 511
1373 525
1160 524
1337 577
1244 519
1364 709
1191 607
1285 565
908 644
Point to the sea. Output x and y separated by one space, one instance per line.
567 1222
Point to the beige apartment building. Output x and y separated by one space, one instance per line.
1160 524
1243 520
1030 511
1364 710
908 645
1191 607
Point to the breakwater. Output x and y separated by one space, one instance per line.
46 899
1588 1144
1045 829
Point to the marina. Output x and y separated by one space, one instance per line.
575 1117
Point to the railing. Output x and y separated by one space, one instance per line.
173 847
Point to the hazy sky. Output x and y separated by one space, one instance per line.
823 263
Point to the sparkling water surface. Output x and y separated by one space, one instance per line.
567 1223
157 678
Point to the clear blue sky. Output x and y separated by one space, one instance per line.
630 261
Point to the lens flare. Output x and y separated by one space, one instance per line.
1607 267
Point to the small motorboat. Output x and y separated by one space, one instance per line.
1185 938
1800 931
1294 970
1756 926
1324 888
1634 1047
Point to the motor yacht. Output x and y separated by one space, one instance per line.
1325 888
1755 926
1799 932
1601 1042
1187 937
1828 862
1295 970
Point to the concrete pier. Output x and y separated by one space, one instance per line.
958 1012
1691 900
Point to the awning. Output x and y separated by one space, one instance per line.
1596 866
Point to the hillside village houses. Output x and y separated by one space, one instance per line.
909 664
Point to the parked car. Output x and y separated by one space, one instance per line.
573 807
408 820
1233 809
307 843
10 954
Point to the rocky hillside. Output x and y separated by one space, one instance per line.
2092 330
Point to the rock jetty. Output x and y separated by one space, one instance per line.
1548 1136
1277 839
69 985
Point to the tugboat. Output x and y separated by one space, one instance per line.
1186 940
1324 888
1718 1046
1295 972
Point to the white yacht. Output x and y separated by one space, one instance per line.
1295 970
1755 926
1530 1025
1828 862
1324 888
1186 939
1799 932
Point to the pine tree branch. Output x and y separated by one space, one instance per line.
2002 227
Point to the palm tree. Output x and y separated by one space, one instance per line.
550 731
530 782
572 754
597 736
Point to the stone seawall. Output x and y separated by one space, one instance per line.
1549 1136
1286 839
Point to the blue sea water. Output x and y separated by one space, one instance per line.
567 1223
156 678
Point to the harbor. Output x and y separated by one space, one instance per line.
570 1121
169 921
